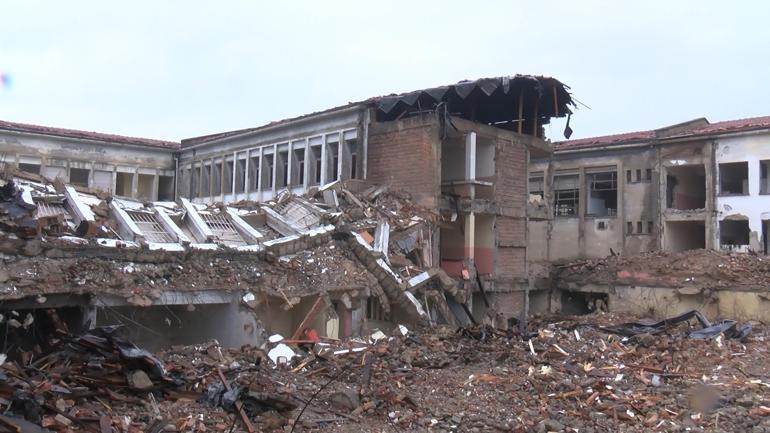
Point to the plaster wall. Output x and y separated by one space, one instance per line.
755 206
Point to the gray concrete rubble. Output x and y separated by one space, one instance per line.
183 272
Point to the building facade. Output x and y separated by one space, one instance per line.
687 186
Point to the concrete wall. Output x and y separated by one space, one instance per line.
585 235
754 207
318 137
158 327
100 161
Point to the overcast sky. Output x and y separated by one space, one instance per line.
174 70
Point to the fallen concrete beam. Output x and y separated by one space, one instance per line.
199 228
170 226
279 223
249 233
128 230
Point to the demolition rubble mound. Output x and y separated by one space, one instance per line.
575 374
705 268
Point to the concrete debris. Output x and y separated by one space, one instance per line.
455 379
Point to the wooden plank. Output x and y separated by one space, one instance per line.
314 310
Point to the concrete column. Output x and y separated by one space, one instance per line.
275 166
324 162
260 173
135 183
340 139
306 174
621 216
470 156
290 164
582 198
470 235
155 183
246 177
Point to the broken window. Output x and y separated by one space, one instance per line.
686 187
298 165
150 227
165 188
145 186
602 194
29 168
734 178
195 175
55 169
764 179
765 234
223 228
227 179
79 176
240 173
216 178
350 150
374 309
685 235
255 171
565 195
648 175
282 169
650 227
734 233
333 158
536 188
124 184
267 172
205 190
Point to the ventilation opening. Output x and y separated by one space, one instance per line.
686 187
734 234
579 303
734 178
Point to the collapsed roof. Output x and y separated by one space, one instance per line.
505 102
342 237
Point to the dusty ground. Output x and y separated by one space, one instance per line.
579 379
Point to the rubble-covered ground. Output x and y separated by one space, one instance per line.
704 268
570 376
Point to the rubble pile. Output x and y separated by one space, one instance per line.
708 269
572 374
341 237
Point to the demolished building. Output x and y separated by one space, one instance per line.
694 185
407 208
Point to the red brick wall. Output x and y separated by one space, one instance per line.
511 250
511 196
406 155
511 183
